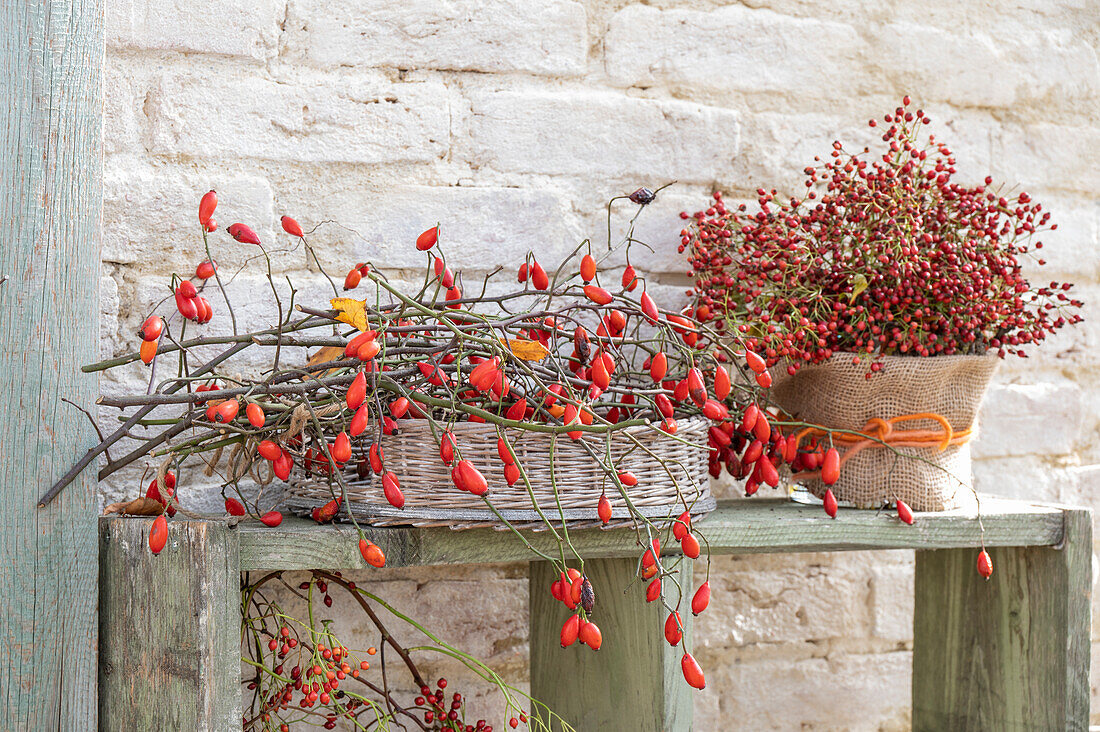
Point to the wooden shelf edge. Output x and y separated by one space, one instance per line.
737 527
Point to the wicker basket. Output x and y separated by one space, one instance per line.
838 395
431 499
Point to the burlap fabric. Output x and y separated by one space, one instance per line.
836 394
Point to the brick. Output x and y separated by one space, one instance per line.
315 119
481 227
915 56
1033 69
1081 487
601 134
108 313
856 692
247 28
1048 156
1036 419
1027 478
803 598
734 48
892 600
784 144
123 98
658 226
1069 251
469 35
150 215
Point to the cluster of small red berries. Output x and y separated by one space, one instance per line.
315 678
882 257
448 714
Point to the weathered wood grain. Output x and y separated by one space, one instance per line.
169 628
737 527
634 681
51 58
1011 653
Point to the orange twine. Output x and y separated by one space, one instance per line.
881 433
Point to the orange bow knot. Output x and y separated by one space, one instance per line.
883 433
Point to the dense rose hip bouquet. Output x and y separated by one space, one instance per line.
884 255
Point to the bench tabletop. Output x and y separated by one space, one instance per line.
736 527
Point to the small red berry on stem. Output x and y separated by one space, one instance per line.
152 328
588 268
755 362
272 519
596 294
590 635
681 526
255 414
357 392
658 367
829 503
830 467
207 204
290 226
985 564
447 448
341 448
673 632
158 534
372 554
226 411
570 630
904 512
603 509
148 351
187 289
649 308
391 488
693 674
630 278
539 279
427 239
701 599
243 234
690 545
205 270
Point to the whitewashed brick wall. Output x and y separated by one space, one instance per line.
512 122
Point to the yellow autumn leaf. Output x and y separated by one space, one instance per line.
350 311
326 354
527 350
859 284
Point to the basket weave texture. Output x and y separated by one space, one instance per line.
663 490
836 394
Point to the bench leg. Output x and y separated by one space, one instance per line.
169 628
1011 653
634 681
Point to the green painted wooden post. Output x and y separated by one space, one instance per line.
51 59
169 627
633 682
1011 653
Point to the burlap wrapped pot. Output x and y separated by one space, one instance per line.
837 394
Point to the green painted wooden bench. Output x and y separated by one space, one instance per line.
1008 654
